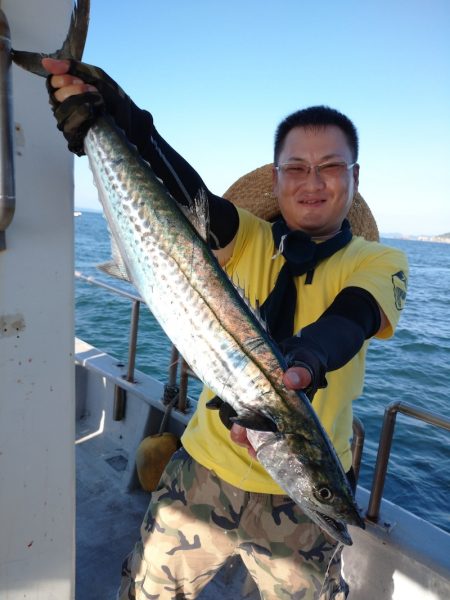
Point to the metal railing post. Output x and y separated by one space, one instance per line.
184 381
384 448
357 445
120 395
7 184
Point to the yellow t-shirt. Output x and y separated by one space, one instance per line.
380 270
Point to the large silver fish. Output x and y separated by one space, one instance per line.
174 270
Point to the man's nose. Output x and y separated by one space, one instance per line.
314 180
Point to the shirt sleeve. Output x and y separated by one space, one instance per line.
383 272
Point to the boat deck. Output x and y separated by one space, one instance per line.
107 526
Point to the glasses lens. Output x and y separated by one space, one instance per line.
333 169
295 170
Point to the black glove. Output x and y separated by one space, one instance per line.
78 113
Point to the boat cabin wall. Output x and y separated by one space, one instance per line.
37 484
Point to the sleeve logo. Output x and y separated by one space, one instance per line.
400 283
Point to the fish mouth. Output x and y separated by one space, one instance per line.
337 529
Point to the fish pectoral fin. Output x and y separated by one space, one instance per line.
226 411
215 403
255 421
249 420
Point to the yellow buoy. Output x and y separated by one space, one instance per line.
152 456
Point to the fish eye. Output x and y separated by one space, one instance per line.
323 493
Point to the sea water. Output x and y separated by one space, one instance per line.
413 367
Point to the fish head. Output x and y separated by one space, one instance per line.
330 504
313 479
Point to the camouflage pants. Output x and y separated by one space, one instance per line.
196 521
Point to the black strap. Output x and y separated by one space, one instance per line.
182 180
302 255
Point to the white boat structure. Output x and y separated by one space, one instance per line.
62 406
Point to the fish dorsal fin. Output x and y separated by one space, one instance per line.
198 214
253 309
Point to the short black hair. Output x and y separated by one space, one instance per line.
316 117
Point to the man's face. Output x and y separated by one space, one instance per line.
320 202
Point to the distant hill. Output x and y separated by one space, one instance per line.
443 237
393 236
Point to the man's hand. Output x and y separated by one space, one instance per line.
76 102
295 378
64 84
238 435
80 93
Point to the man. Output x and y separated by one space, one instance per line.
323 294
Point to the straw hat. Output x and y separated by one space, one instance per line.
254 192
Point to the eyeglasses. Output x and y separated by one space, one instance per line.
298 171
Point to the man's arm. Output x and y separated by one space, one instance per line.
336 337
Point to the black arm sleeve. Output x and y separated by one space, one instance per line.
336 337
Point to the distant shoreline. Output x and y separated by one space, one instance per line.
437 239
440 239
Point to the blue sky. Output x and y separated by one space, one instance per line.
219 76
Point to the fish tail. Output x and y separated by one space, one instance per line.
72 47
